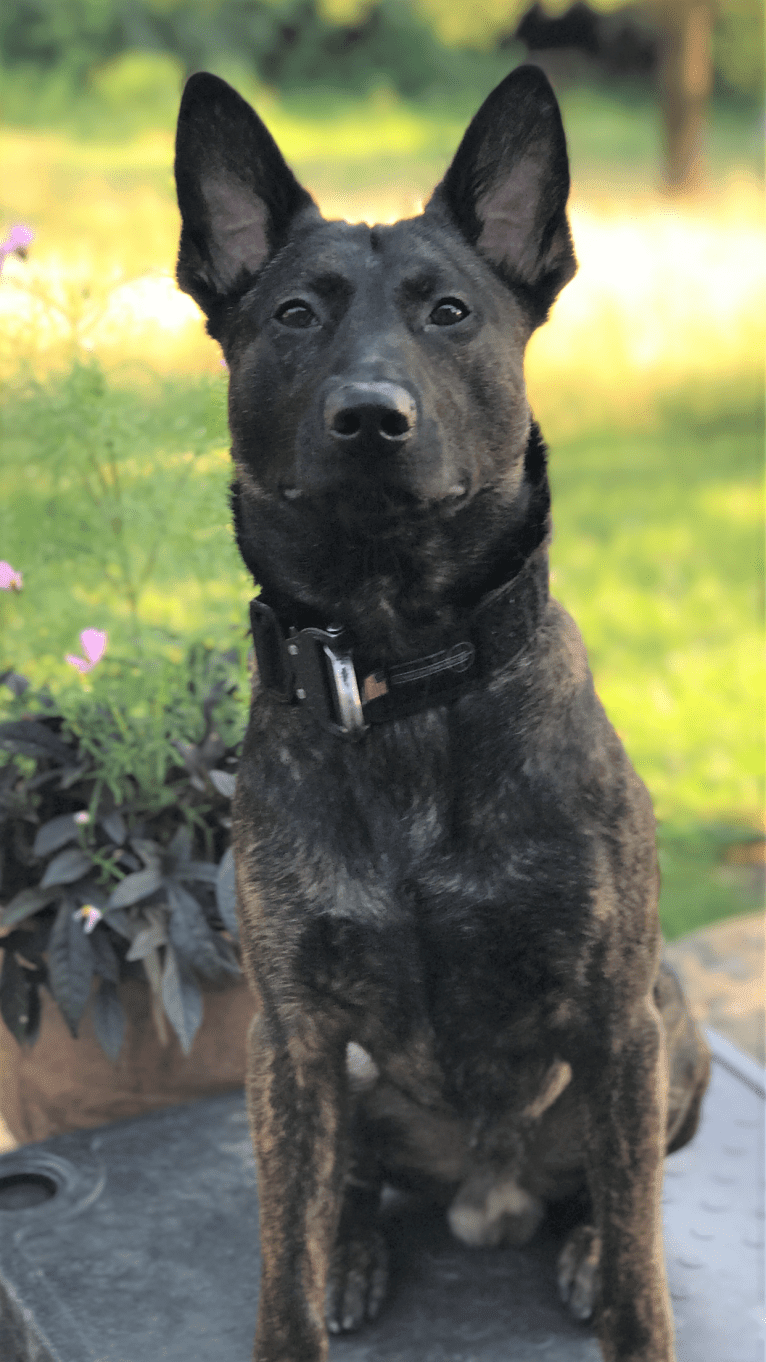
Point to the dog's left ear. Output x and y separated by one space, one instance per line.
508 185
237 196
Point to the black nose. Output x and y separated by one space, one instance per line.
383 413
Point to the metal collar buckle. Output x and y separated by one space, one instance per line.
310 665
325 679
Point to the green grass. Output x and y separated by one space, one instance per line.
658 553
701 882
108 491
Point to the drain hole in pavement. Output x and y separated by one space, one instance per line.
20 1191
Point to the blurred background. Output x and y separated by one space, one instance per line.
647 380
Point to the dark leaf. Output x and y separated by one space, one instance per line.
33 739
196 943
188 752
58 832
225 783
29 942
70 965
89 892
179 847
135 887
15 682
27 902
37 781
198 870
150 852
72 775
104 955
114 827
226 893
14 996
147 940
108 1019
181 999
67 867
116 918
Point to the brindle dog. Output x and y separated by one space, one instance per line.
446 864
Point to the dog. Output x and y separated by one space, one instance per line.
446 869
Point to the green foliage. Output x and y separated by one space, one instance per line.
70 35
90 442
151 81
87 60
738 47
114 497
135 721
700 883
119 64
663 570
113 844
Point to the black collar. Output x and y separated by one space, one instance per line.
315 667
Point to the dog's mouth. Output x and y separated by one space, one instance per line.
375 503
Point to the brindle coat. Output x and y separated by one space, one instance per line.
450 926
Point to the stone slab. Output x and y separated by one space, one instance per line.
147 1250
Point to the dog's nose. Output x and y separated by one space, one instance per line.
379 411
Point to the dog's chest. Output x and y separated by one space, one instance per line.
461 921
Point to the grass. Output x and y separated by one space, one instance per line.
113 486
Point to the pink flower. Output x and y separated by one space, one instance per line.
9 579
89 915
16 242
93 645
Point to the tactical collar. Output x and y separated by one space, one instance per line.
315 667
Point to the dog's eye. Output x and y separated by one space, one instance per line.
297 313
448 311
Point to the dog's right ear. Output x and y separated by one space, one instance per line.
236 194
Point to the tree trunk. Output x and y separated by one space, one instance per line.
685 82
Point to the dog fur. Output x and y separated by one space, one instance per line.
450 925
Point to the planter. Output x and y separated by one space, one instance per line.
61 1084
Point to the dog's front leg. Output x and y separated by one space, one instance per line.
297 1105
627 1108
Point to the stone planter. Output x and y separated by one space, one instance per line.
60 1084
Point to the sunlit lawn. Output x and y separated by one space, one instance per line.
647 383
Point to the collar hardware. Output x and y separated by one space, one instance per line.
312 666
315 667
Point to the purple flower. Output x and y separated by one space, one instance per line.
93 642
16 242
10 580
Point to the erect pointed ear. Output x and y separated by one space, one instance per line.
236 194
507 188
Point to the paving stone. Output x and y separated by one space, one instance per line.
137 1243
722 970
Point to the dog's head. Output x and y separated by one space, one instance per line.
376 374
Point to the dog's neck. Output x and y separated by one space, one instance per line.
321 667
399 596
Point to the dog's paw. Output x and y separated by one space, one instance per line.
357 1282
579 1274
